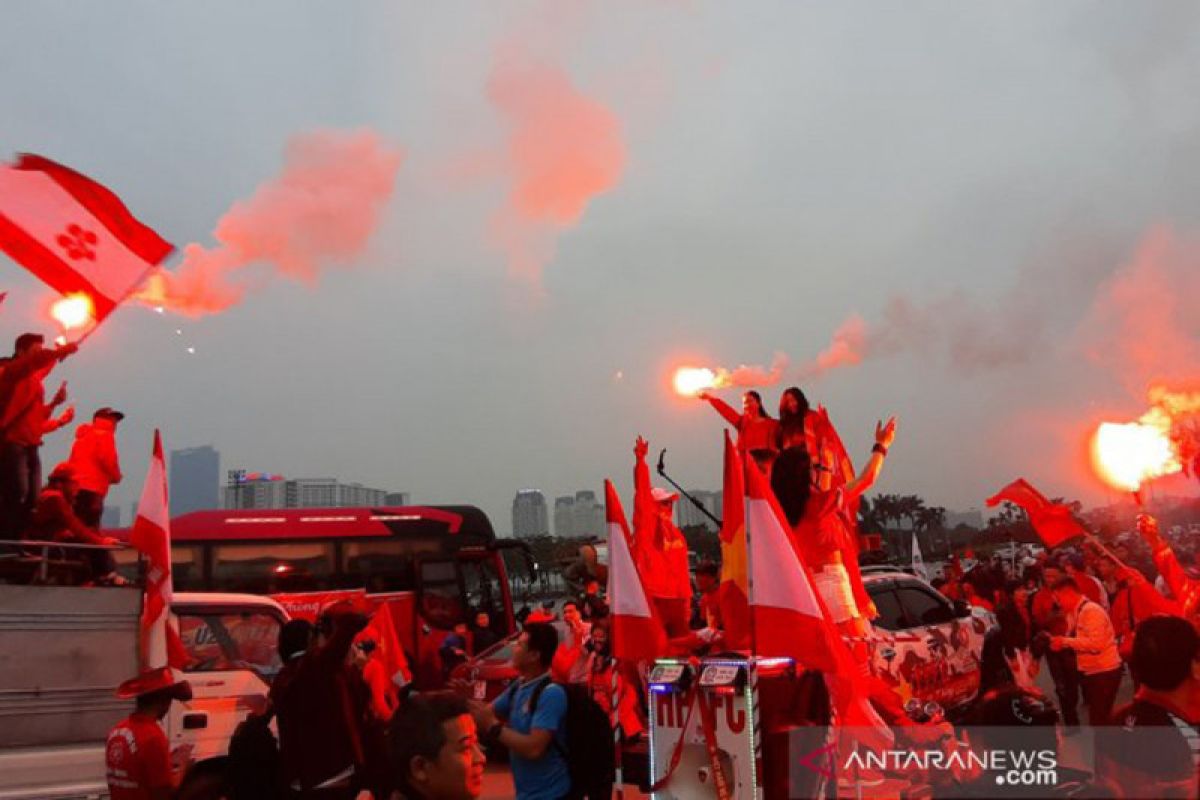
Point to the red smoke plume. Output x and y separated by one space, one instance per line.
563 149
319 211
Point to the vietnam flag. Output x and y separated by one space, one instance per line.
151 535
73 233
1053 522
635 634
735 579
382 630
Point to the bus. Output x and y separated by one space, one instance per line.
434 566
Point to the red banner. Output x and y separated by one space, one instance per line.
308 605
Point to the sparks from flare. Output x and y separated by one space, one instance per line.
73 311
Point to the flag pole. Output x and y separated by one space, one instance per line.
133 287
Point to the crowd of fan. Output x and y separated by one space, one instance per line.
67 507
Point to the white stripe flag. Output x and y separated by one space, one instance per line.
636 633
74 234
918 563
151 535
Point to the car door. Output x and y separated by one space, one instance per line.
892 643
232 657
943 657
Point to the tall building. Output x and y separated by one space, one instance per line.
589 514
972 517
529 514
195 479
564 517
263 490
687 515
397 499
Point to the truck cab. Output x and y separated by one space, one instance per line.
64 650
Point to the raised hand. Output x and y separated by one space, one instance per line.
885 434
641 447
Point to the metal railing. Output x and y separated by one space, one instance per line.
16 549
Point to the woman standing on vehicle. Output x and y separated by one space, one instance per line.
758 433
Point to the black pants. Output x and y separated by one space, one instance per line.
89 507
1099 692
1066 683
20 482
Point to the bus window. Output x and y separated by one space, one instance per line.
266 567
441 594
380 566
187 565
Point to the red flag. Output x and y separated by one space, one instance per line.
790 618
635 633
382 631
1053 522
73 233
151 535
735 609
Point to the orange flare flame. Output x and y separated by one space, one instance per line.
73 311
1127 455
690 381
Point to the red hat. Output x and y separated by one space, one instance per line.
155 680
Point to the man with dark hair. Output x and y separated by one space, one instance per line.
321 746
137 754
435 749
54 520
1050 620
482 635
1151 750
1090 635
24 420
529 718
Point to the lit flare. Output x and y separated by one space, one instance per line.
690 381
1127 455
73 311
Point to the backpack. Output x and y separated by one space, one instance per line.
588 731
252 771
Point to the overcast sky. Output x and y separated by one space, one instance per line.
998 166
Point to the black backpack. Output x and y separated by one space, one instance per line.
588 732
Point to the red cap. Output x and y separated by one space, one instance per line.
155 680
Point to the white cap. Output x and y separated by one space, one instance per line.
661 495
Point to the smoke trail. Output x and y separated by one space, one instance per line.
319 211
563 149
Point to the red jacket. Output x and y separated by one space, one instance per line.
24 416
660 550
753 434
94 456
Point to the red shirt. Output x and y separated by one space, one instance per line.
138 758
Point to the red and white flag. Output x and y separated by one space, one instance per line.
735 612
790 618
73 233
636 634
151 535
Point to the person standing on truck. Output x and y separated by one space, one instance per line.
24 420
54 520
137 755
660 550
758 433
321 743
97 466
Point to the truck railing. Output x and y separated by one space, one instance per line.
35 556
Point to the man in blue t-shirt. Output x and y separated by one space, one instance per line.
535 735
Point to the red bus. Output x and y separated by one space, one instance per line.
433 565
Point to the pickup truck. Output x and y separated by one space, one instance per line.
64 650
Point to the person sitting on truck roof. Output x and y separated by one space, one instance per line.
435 749
54 519
321 745
137 755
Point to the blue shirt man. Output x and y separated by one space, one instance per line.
535 736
